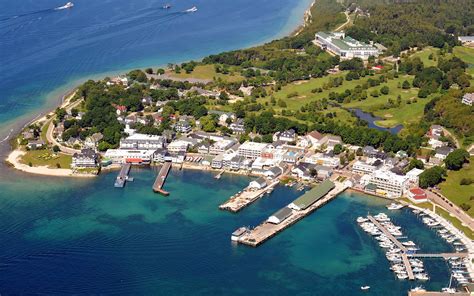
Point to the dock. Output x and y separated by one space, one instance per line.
245 198
428 293
267 230
161 178
123 176
404 255
218 176
440 255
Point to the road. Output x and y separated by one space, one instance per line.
453 209
448 133
348 20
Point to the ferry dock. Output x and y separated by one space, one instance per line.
247 196
123 176
297 210
161 178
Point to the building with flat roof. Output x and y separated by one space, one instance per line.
142 141
120 156
312 196
389 183
251 150
345 46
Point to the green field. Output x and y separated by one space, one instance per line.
208 72
424 56
46 158
467 55
457 193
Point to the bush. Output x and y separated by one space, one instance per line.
56 149
466 181
466 207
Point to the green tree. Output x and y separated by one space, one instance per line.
432 176
338 149
456 159
56 149
385 90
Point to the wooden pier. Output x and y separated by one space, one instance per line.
267 230
245 198
428 293
161 178
406 263
440 255
123 176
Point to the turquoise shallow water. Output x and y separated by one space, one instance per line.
84 236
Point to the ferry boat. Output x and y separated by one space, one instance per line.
65 6
192 9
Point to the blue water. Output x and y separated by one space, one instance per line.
84 236
44 52
372 119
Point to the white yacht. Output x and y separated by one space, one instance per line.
365 288
65 6
361 220
394 206
408 243
192 9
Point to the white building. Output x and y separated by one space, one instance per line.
142 141
468 99
221 146
178 146
414 176
86 159
251 150
361 167
257 184
285 136
119 156
388 183
345 46
323 159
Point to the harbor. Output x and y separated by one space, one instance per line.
249 195
297 210
161 178
123 176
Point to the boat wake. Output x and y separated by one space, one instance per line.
42 11
7 137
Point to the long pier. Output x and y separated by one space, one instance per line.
406 263
245 198
440 255
161 178
267 230
428 293
123 175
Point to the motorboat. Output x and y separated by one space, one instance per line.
409 243
418 289
365 288
395 206
192 9
361 220
422 276
167 6
65 6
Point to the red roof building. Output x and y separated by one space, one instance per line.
417 195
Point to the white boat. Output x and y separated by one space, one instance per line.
402 276
192 9
65 6
408 243
394 206
448 290
167 6
422 276
418 289
238 233
361 220
365 288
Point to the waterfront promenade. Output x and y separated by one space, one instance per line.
161 178
267 230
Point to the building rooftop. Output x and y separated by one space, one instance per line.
253 146
314 194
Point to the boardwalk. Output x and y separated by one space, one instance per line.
123 175
441 255
245 198
267 230
382 228
161 178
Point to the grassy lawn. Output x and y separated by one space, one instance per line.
46 158
208 72
424 56
455 222
457 193
467 55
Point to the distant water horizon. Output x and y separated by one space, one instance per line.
48 52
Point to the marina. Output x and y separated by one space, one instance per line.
161 178
123 176
308 203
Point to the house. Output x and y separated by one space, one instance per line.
160 155
417 195
181 145
246 90
303 171
468 99
323 172
435 131
147 100
258 184
28 135
178 157
236 163
442 152
280 216
93 140
221 146
238 126
207 160
182 126
330 141
273 172
314 137
285 136
120 109
223 116
35 144
345 46
203 148
86 159
466 40
369 151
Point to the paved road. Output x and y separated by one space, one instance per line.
453 209
52 140
448 133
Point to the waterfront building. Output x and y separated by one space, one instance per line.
280 216
303 171
323 172
417 195
258 183
273 172
217 161
86 159
237 162
388 183
251 150
221 146
468 99
203 148
142 141
344 46
35 144
312 196
361 167
120 156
